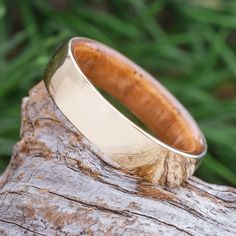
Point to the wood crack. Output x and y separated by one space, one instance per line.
125 213
20 226
170 201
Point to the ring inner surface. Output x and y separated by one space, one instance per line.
142 94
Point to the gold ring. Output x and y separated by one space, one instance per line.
169 156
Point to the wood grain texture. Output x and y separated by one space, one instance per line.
142 94
56 184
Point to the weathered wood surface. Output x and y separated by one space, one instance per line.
56 184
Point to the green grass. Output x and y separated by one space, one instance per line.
189 45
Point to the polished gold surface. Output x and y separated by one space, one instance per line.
170 157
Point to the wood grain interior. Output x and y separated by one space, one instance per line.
140 93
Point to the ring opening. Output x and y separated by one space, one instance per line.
141 93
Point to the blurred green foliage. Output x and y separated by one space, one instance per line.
189 45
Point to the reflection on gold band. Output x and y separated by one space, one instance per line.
170 157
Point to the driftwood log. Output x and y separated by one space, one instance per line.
56 184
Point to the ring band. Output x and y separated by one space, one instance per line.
169 156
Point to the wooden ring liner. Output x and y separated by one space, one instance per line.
141 93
